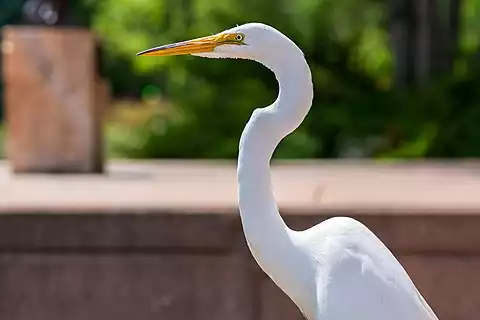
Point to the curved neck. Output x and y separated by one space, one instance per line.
262 223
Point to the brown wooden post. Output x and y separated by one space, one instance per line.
53 112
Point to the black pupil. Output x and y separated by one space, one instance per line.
239 37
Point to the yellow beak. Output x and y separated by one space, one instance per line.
200 45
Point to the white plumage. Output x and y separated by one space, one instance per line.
338 269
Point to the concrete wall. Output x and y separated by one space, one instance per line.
54 100
159 265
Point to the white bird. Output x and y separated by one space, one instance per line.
337 269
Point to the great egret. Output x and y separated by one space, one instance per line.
338 269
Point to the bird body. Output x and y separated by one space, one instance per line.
337 269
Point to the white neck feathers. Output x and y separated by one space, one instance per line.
271 242
265 129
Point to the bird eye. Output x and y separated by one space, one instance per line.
239 37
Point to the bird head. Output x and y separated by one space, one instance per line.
253 41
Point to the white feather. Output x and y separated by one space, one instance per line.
338 269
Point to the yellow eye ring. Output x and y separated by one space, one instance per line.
239 37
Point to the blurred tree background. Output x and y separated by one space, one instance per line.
393 78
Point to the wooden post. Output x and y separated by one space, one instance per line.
53 112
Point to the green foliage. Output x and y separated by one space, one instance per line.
470 24
356 111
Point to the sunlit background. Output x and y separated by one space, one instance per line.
392 139
391 80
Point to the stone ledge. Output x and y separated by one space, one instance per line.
196 187
164 238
